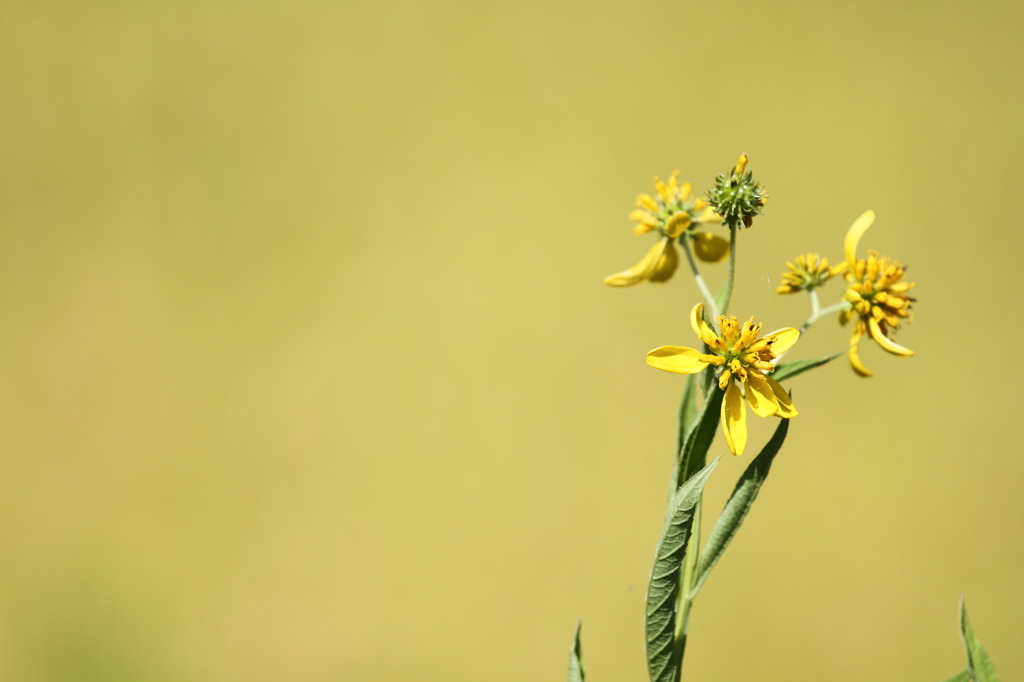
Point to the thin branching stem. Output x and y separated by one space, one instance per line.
815 303
709 300
823 312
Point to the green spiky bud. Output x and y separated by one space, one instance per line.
736 196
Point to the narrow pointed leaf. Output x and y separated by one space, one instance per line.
687 409
739 504
576 673
700 435
662 654
687 416
788 370
979 665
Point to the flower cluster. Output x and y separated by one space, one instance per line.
672 212
877 294
808 273
875 300
740 358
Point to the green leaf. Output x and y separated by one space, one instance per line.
739 504
962 676
788 370
687 410
698 439
663 657
687 416
979 665
576 673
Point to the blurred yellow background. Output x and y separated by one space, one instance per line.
308 372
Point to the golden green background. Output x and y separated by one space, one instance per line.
308 373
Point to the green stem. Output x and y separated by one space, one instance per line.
709 300
727 290
815 304
815 316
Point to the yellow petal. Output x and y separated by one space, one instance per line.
677 224
677 359
885 342
784 339
666 264
710 248
708 215
662 189
858 366
741 163
760 396
734 420
685 190
853 235
641 271
700 327
648 202
786 409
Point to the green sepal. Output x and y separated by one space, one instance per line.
576 673
979 665
739 504
663 657
788 370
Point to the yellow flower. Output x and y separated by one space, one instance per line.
737 353
672 211
877 294
809 273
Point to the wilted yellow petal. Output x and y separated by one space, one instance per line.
853 235
710 248
641 271
677 359
666 264
734 420
760 396
885 342
786 409
858 366
784 339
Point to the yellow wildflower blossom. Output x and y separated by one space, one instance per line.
671 211
737 353
878 296
808 273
